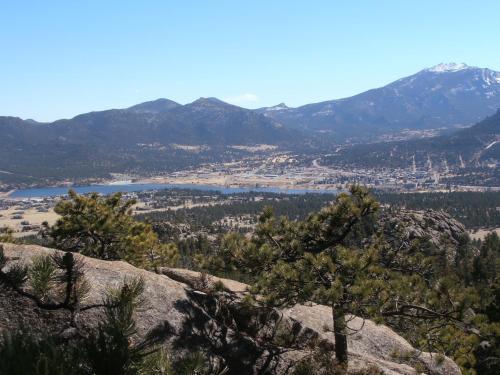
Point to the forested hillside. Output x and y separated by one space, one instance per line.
158 136
470 148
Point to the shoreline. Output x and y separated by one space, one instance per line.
220 182
174 184
256 184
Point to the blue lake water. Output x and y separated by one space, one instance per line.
109 189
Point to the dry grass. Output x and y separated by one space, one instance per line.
481 233
31 215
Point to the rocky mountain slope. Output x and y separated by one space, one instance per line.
442 96
185 315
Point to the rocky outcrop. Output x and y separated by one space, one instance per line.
437 227
369 344
182 311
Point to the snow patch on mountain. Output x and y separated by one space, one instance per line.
278 107
491 145
448 67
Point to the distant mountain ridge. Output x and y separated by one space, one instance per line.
445 95
146 136
205 121
472 147
155 106
140 138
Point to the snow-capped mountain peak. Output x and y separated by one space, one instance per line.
445 95
487 76
448 67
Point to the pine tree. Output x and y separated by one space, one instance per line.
320 259
103 227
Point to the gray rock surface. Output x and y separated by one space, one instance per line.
187 318
439 228
370 343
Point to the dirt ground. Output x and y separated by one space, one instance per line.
31 215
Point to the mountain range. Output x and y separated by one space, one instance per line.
154 135
445 95
205 121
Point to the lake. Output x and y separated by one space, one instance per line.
126 188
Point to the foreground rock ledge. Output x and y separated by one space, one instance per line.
188 319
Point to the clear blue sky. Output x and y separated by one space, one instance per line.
62 58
